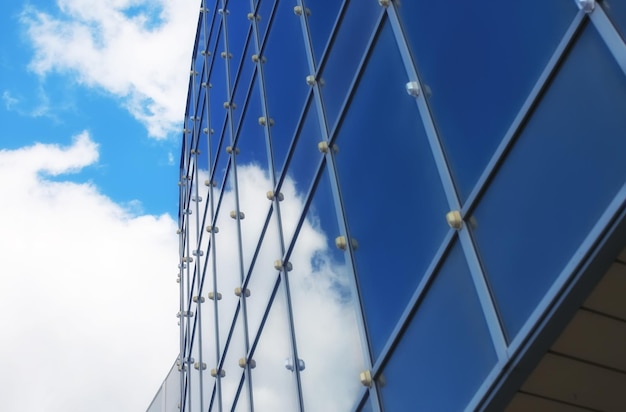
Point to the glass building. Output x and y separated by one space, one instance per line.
394 205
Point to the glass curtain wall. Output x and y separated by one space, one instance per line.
380 199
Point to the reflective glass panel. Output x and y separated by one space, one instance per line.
253 176
193 398
243 401
446 352
324 306
187 138
392 193
201 381
321 16
263 17
199 57
198 67
232 371
566 167
220 169
264 276
346 53
217 95
203 142
228 261
238 27
213 406
616 10
208 328
215 27
301 171
208 139
285 75
479 62
204 325
274 387
243 84
200 101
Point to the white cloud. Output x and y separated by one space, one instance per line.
40 108
87 301
134 49
9 100
50 159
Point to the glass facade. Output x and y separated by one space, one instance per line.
381 200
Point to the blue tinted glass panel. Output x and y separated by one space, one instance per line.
346 53
274 386
238 27
301 171
396 212
198 58
222 164
367 406
479 62
216 28
187 138
616 10
200 107
253 176
198 67
201 97
243 84
446 352
264 11
558 179
285 84
324 311
203 140
209 118
217 94
321 16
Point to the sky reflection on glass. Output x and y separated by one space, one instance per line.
397 240
574 147
486 61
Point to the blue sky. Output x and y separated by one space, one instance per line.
53 104
92 96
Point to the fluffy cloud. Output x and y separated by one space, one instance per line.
87 303
134 49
